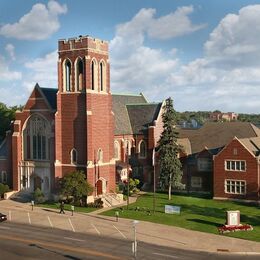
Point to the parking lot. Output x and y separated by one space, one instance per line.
79 222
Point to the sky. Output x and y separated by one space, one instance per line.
203 54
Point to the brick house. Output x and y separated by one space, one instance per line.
79 126
236 170
205 143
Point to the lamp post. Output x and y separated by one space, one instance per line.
127 161
134 244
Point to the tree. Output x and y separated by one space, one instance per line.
76 185
168 149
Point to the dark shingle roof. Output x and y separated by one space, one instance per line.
142 115
50 95
122 121
214 135
3 149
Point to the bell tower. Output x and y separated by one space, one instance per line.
84 121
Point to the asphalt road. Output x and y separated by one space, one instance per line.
21 241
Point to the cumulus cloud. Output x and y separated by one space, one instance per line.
43 71
6 74
137 67
10 50
41 22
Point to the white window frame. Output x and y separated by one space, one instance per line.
237 185
71 156
194 179
235 165
3 176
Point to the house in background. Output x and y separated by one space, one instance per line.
236 170
205 143
219 116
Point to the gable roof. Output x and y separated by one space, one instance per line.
252 144
142 115
216 134
122 121
50 95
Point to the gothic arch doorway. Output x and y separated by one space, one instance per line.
37 182
101 186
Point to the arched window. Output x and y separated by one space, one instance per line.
36 139
117 150
99 155
102 73
128 147
142 149
67 75
79 75
74 156
94 75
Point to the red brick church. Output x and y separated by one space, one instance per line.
80 126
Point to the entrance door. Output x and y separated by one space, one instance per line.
37 182
99 187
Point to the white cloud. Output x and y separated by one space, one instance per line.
10 50
43 71
137 67
6 74
41 22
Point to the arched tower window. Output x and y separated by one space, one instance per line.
117 150
67 76
79 75
102 73
99 155
74 156
128 147
36 139
94 75
142 149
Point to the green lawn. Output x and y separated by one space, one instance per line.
196 214
67 207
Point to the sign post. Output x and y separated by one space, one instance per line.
233 218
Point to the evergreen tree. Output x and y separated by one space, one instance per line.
168 149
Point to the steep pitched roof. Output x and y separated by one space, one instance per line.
3 149
50 95
142 115
122 121
252 144
214 135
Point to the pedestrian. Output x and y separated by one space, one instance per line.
117 215
62 208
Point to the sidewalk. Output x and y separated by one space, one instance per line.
148 232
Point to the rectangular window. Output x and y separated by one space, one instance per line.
196 182
235 187
235 165
204 164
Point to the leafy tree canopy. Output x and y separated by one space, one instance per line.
76 185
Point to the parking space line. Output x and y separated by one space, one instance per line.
168 256
119 232
50 221
10 215
5 228
74 239
95 228
71 225
29 218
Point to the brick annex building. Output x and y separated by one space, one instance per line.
80 126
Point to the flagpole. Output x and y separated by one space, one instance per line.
153 181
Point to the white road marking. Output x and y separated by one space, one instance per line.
119 232
29 218
74 239
10 215
95 228
50 221
71 225
170 256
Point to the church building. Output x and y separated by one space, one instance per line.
80 126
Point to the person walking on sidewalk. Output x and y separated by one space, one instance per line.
62 208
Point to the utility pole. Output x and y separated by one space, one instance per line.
154 180
127 161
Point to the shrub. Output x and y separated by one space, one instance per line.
3 189
38 196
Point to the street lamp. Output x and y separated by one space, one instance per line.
134 244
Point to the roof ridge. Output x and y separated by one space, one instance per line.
143 104
127 94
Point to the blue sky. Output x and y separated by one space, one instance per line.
204 54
